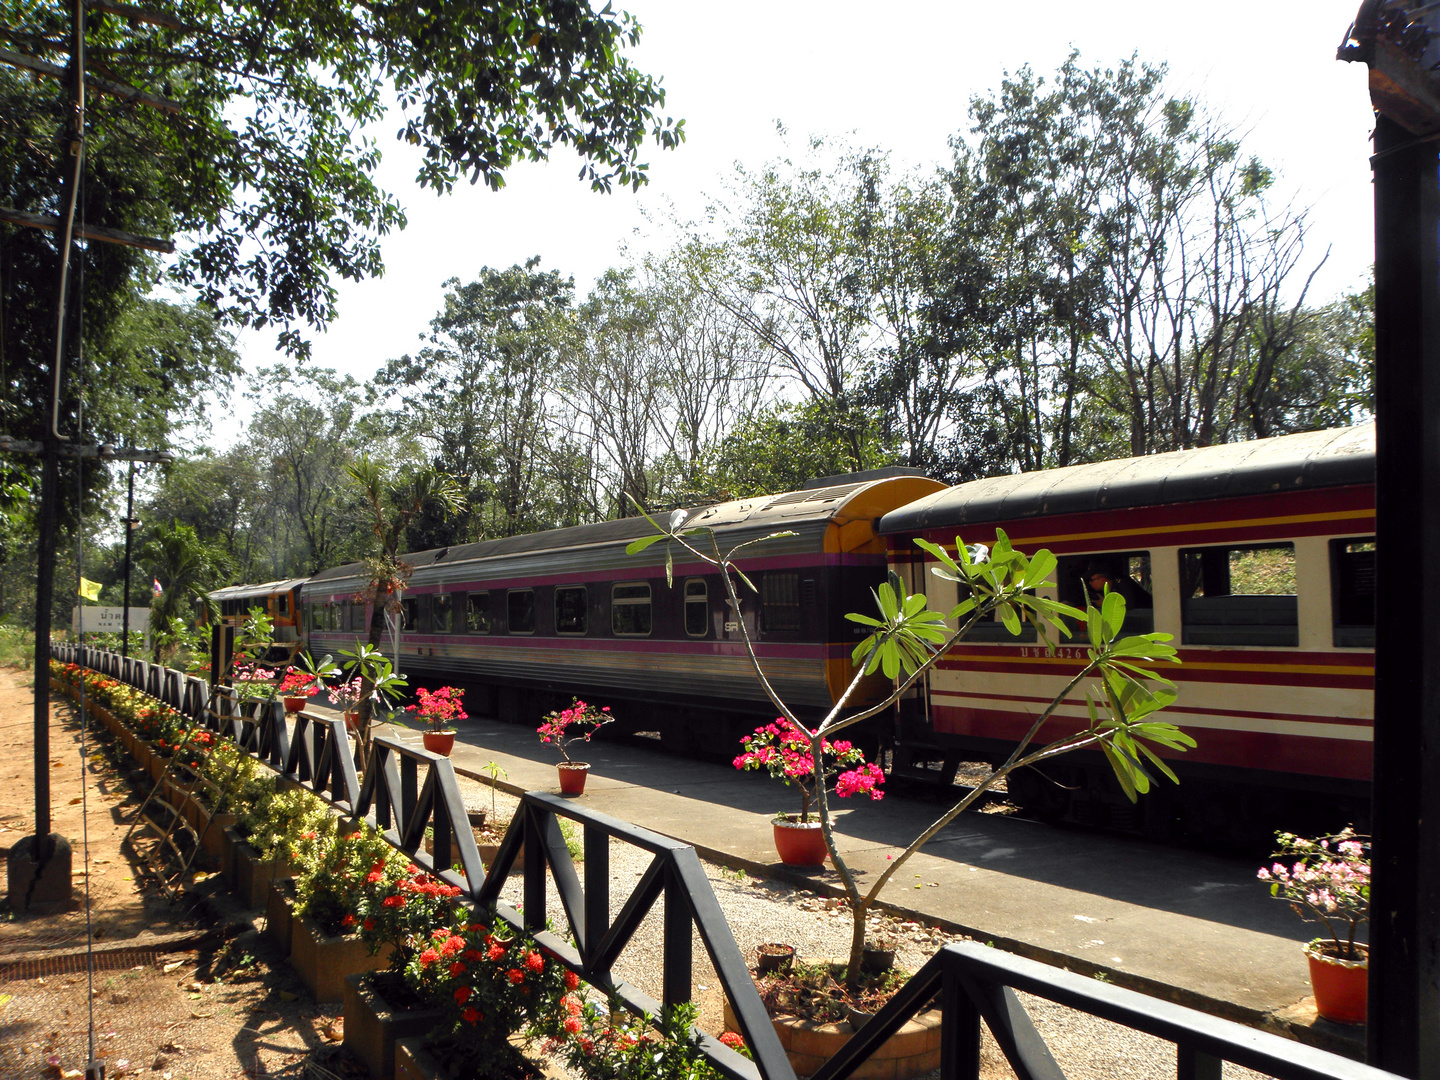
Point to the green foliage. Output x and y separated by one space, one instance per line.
607 1043
262 160
17 648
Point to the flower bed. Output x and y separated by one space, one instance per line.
475 982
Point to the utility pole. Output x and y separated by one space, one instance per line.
38 868
1400 44
130 524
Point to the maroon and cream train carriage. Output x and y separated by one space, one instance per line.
1257 557
540 617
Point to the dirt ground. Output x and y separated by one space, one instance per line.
171 996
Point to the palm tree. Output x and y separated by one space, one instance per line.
188 566
390 508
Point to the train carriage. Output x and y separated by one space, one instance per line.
539 617
1257 557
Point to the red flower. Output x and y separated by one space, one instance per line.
571 980
572 1026
348 920
457 969
535 962
733 1040
394 901
495 952
462 995
439 935
369 924
472 1015
428 957
473 955
516 976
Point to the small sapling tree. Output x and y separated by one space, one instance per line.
907 637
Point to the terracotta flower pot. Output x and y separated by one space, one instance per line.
1341 986
572 777
800 843
295 704
352 721
439 742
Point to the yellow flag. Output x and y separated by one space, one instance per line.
89 589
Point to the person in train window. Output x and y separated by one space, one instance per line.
1113 574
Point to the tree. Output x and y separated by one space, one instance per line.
478 390
907 638
790 271
263 156
391 503
187 569
305 436
783 446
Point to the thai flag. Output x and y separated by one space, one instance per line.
156 583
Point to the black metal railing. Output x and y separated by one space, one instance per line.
406 791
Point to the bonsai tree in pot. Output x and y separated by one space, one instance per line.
907 638
1328 879
561 728
439 710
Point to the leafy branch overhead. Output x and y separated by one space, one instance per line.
266 157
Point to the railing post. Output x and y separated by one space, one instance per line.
534 890
678 958
1193 1064
959 1028
597 889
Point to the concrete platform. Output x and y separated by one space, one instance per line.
1188 926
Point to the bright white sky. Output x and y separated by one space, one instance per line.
897 76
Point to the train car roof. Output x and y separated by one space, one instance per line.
1314 459
265 588
778 511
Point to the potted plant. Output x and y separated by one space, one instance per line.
1328 879
379 683
439 710
560 729
297 688
783 751
345 696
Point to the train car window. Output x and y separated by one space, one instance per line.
282 603
409 613
477 613
520 609
440 613
1082 579
1352 591
697 607
1241 595
570 610
780 602
630 614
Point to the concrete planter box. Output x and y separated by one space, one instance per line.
157 765
912 1051
280 913
214 833
254 874
413 1061
323 962
372 1025
234 842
